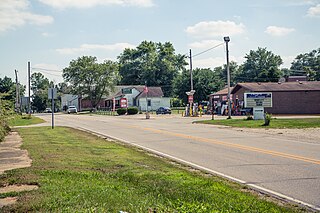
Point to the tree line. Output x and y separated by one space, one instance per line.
157 64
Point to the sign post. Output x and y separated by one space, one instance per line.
190 100
258 101
52 94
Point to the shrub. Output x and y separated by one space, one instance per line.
267 119
132 110
249 117
121 111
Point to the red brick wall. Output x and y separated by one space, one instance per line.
86 104
299 102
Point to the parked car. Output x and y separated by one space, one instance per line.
48 110
72 109
246 111
163 110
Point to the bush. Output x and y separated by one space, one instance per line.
267 119
249 117
121 111
132 110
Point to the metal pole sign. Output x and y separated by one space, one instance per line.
52 94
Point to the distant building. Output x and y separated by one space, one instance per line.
135 96
69 100
299 97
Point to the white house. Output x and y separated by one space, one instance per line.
136 96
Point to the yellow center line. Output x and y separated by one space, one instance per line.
239 146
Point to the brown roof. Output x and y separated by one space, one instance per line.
152 92
273 87
222 92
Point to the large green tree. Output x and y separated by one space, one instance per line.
7 86
221 74
204 83
153 62
91 79
260 66
307 64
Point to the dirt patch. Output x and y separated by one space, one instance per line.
18 188
11 156
7 201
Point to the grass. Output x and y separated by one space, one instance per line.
79 172
24 120
274 123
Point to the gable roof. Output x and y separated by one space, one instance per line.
152 91
222 92
278 87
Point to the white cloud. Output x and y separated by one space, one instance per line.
314 11
279 31
209 29
93 47
205 44
15 13
62 4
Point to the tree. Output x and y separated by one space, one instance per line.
91 79
204 83
39 86
307 63
7 86
155 63
260 66
221 74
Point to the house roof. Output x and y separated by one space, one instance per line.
222 92
278 87
152 91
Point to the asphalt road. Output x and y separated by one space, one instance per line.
286 167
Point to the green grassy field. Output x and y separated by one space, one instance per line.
24 120
274 123
79 172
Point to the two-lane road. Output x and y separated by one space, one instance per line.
283 166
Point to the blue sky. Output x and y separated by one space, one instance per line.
51 33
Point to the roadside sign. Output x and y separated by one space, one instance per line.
52 92
190 98
123 103
256 99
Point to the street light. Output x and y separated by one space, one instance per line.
227 39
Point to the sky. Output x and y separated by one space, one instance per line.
51 33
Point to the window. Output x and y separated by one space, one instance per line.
149 102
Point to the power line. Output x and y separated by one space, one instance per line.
207 50
43 69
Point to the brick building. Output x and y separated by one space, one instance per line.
300 97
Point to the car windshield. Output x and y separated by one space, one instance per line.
72 107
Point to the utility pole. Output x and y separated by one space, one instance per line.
29 103
17 106
191 81
227 39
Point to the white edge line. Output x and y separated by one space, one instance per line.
254 186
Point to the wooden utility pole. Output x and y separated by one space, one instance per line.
29 103
17 105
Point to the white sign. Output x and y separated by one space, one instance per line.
256 99
52 91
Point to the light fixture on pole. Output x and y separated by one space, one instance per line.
227 39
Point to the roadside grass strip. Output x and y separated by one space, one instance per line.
24 120
275 123
80 172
